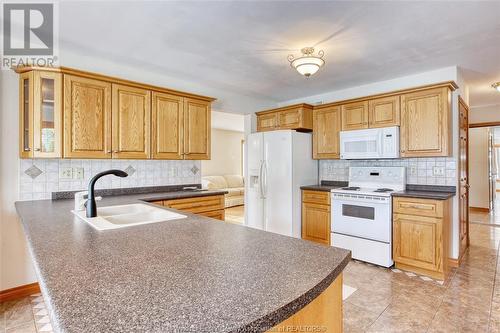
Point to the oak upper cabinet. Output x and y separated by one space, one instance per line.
87 118
267 121
131 113
426 123
40 121
355 116
167 126
316 216
197 129
384 112
296 117
326 129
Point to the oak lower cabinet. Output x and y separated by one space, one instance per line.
296 117
421 235
40 116
209 206
426 123
355 116
131 113
87 118
326 132
316 216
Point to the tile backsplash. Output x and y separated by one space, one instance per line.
418 170
40 177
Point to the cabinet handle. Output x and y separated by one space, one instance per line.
108 151
27 149
416 206
37 149
116 151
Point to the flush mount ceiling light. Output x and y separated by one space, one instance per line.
308 63
496 86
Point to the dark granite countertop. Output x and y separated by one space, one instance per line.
190 275
325 186
436 192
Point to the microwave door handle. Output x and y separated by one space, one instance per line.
381 144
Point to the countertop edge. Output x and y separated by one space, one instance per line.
274 318
425 195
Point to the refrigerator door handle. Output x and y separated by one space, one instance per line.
264 179
261 185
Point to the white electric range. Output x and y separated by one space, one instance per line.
362 213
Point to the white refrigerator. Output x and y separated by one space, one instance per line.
278 164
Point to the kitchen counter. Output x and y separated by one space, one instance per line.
427 192
194 274
325 186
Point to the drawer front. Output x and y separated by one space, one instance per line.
318 197
215 214
197 204
420 207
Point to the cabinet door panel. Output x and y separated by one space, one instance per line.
418 241
168 126
384 112
267 122
425 123
26 115
316 222
326 129
289 119
87 118
196 129
131 112
355 116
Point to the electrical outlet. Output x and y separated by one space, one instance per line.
413 171
438 171
78 173
65 173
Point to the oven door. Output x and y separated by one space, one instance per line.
362 216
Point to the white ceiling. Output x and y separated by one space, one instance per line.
240 48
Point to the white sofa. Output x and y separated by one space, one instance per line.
233 184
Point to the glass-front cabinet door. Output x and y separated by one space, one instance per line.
40 114
26 115
47 115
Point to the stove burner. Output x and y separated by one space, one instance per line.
383 190
351 188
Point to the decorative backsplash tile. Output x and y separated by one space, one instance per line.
141 173
419 171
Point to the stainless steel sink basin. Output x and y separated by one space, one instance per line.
114 217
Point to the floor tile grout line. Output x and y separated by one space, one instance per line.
494 286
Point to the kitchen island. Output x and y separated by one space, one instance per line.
189 275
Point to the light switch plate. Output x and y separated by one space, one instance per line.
65 173
438 171
413 171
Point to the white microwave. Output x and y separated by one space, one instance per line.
372 143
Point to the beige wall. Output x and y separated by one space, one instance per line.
484 114
15 263
226 154
478 167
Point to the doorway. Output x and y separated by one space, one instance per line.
484 174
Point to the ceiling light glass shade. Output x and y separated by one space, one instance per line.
307 66
309 63
496 86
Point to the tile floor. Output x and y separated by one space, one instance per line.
483 218
384 300
469 301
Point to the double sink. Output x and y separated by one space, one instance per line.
114 217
